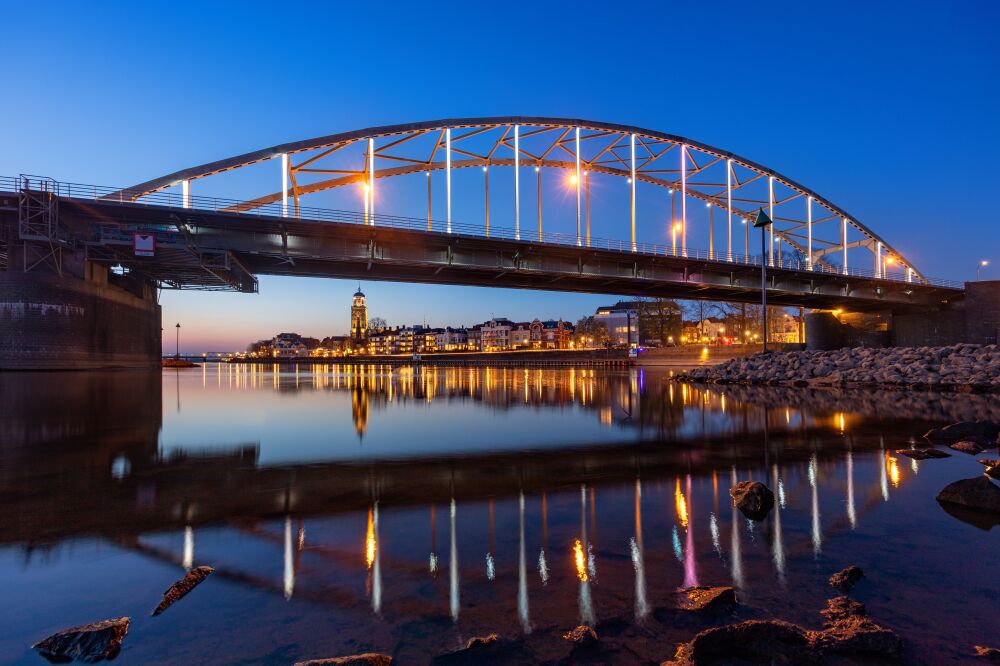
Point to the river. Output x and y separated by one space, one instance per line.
406 509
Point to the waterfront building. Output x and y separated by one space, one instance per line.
496 334
285 345
621 321
452 339
359 320
474 338
520 335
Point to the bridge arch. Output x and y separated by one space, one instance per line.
812 225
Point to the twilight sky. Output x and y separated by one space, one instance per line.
888 109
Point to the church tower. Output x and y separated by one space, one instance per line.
359 319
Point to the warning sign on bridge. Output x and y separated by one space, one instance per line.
144 244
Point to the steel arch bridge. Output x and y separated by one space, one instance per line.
819 233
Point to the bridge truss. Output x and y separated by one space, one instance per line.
809 229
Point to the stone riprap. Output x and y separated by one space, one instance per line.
963 367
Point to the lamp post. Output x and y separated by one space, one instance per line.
980 266
177 350
762 222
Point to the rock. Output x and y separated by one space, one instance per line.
478 650
89 643
755 641
366 659
964 430
582 635
707 599
752 498
847 578
992 467
922 454
967 446
859 636
176 591
840 608
979 493
988 653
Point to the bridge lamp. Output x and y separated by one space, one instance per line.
571 180
674 230
982 264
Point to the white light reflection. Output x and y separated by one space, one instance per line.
522 572
641 605
376 567
851 515
690 564
713 527
678 551
453 568
817 537
781 494
581 551
736 561
289 578
187 561
777 545
883 476
491 569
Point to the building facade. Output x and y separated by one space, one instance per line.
621 321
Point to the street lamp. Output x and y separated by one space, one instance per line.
982 264
762 222
177 349
674 230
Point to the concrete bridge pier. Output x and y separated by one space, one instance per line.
67 313
974 319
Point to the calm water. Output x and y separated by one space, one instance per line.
405 510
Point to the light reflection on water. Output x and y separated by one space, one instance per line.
320 489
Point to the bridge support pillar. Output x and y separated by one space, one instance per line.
82 319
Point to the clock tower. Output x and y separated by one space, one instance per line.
359 319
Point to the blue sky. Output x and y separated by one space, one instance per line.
888 109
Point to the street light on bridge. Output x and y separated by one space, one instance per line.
177 349
982 264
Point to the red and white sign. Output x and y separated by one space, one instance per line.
144 244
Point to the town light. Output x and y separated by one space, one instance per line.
572 180
982 264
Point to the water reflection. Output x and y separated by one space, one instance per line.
196 493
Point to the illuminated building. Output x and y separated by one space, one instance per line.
359 320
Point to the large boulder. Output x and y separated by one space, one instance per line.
841 608
753 499
478 650
754 641
847 578
582 635
366 659
979 493
182 587
963 430
858 636
88 643
988 653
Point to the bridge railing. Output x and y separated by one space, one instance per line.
277 209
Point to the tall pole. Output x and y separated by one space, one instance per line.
538 174
371 180
586 174
486 176
770 213
517 184
763 284
711 232
729 209
284 184
578 186
177 349
428 201
632 188
809 232
447 156
684 214
843 241
186 193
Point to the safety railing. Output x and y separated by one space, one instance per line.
277 209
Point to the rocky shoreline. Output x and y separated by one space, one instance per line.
962 368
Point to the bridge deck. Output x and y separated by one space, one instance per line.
225 249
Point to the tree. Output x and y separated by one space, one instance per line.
591 333
659 320
377 323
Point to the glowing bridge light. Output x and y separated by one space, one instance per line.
680 504
370 541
